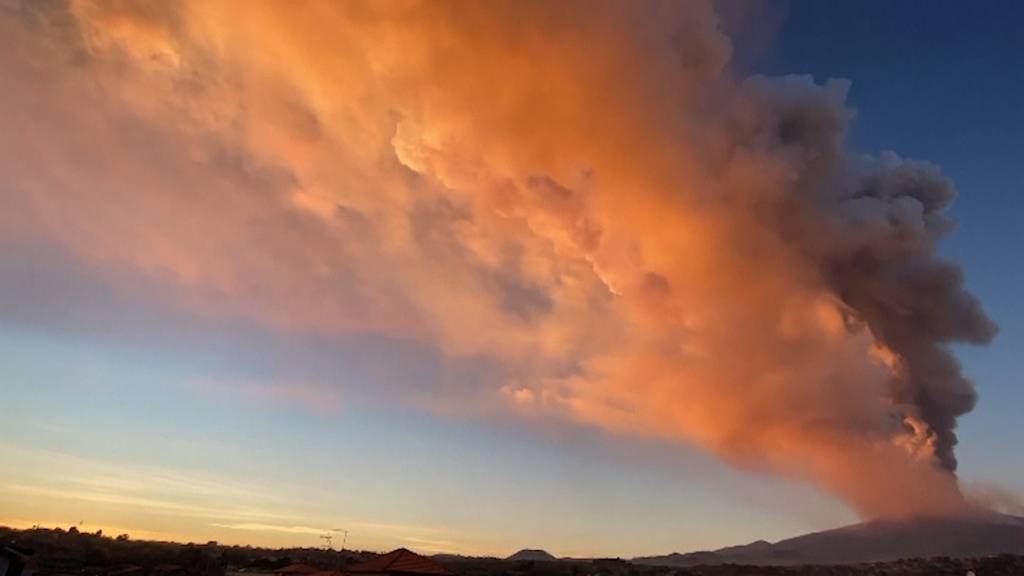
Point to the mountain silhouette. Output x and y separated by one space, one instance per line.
874 541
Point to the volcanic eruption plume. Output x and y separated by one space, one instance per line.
583 195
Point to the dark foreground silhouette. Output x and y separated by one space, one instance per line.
57 552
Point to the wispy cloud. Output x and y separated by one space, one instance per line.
257 527
146 491
58 476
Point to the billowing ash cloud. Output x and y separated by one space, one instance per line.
580 194
872 227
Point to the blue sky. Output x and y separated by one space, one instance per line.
454 485
111 418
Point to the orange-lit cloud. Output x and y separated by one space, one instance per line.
582 194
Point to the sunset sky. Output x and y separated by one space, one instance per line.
603 279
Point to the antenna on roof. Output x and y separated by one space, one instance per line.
328 538
344 537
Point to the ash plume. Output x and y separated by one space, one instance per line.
583 195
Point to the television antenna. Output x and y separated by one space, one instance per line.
344 537
328 538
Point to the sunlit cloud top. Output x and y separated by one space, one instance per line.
543 212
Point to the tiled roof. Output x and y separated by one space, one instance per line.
400 561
